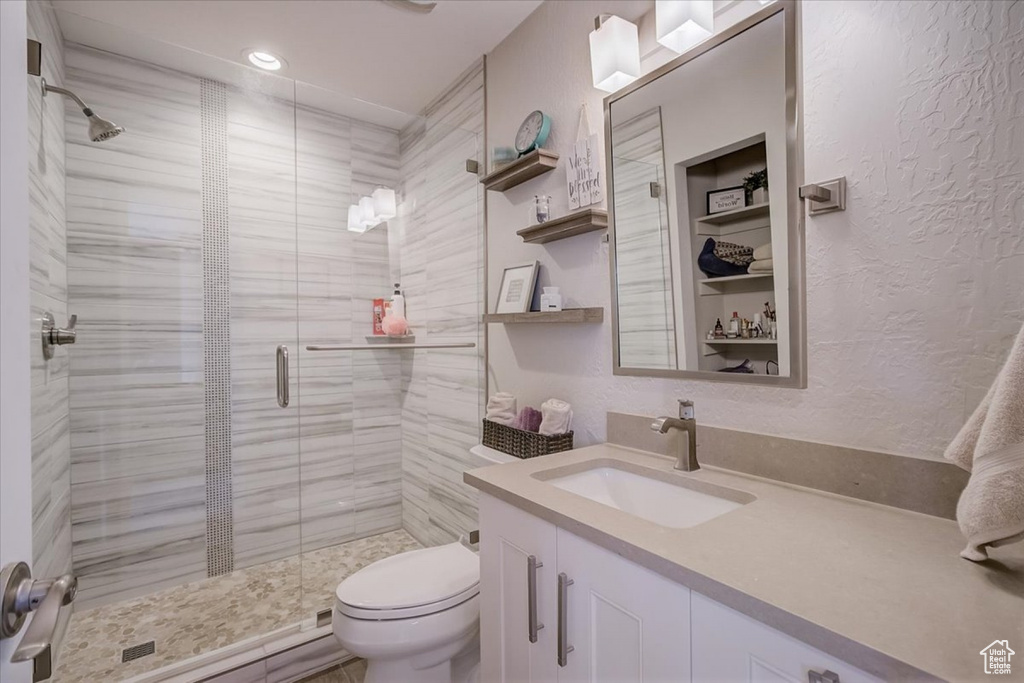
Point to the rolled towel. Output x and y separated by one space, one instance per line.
557 417
501 408
991 447
765 266
529 419
763 252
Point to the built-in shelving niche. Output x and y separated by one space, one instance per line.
716 298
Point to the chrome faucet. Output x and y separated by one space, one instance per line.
686 455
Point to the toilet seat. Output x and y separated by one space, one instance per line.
411 584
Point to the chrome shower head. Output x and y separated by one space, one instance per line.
99 128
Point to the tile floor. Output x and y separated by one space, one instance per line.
349 672
201 616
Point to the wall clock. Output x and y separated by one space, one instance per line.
533 132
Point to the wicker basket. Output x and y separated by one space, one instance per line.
523 444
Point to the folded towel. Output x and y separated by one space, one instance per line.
529 419
557 417
763 252
501 408
736 254
991 447
765 266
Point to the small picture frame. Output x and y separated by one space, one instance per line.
516 292
726 199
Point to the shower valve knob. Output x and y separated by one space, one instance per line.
57 336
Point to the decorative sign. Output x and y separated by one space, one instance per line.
583 173
726 199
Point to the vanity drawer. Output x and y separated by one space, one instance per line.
729 646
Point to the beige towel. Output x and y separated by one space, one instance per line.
501 408
763 252
991 447
764 266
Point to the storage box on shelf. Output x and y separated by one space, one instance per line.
524 444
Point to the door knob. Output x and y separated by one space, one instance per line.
21 594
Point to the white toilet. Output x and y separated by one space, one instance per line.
415 617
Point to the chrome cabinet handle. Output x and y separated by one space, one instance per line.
532 565
563 627
282 376
824 677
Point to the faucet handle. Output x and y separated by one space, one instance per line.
686 409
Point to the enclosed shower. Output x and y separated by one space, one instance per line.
202 241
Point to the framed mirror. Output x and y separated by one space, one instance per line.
706 227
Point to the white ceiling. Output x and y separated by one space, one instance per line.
364 51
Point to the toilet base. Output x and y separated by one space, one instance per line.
426 668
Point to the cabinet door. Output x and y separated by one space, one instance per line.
508 537
623 622
729 646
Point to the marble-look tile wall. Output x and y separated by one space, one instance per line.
51 445
646 320
440 233
323 471
135 280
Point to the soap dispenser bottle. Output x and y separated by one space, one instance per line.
398 302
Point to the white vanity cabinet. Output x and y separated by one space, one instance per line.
621 621
729 646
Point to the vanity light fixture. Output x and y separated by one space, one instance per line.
614 53
355 219
681 24
264 60
384 207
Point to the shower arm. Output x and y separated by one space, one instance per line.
67 93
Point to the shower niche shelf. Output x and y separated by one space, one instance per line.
575 223
536 163
393 346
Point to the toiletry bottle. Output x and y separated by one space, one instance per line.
734 325
378 316
719 330
541 203
397 302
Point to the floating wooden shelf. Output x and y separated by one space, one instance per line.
537 162
568 315
576 223
743 213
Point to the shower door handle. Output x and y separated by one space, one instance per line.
282 376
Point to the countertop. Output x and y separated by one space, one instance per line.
879 587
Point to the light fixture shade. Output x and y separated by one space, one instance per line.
384 206
615 54
681 24
355 219
369 217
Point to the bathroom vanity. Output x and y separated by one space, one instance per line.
756 580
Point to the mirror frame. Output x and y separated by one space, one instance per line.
794 178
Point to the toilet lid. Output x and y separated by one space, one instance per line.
447 574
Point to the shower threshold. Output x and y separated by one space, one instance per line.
256 611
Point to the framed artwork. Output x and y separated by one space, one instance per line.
516 291
726 199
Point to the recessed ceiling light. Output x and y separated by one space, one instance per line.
264 60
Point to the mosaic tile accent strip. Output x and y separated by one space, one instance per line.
216 328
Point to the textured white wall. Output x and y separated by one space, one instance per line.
914 293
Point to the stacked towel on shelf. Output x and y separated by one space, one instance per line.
991 447
762 262
501 408
557 417
528 420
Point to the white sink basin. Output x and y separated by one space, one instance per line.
674 505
